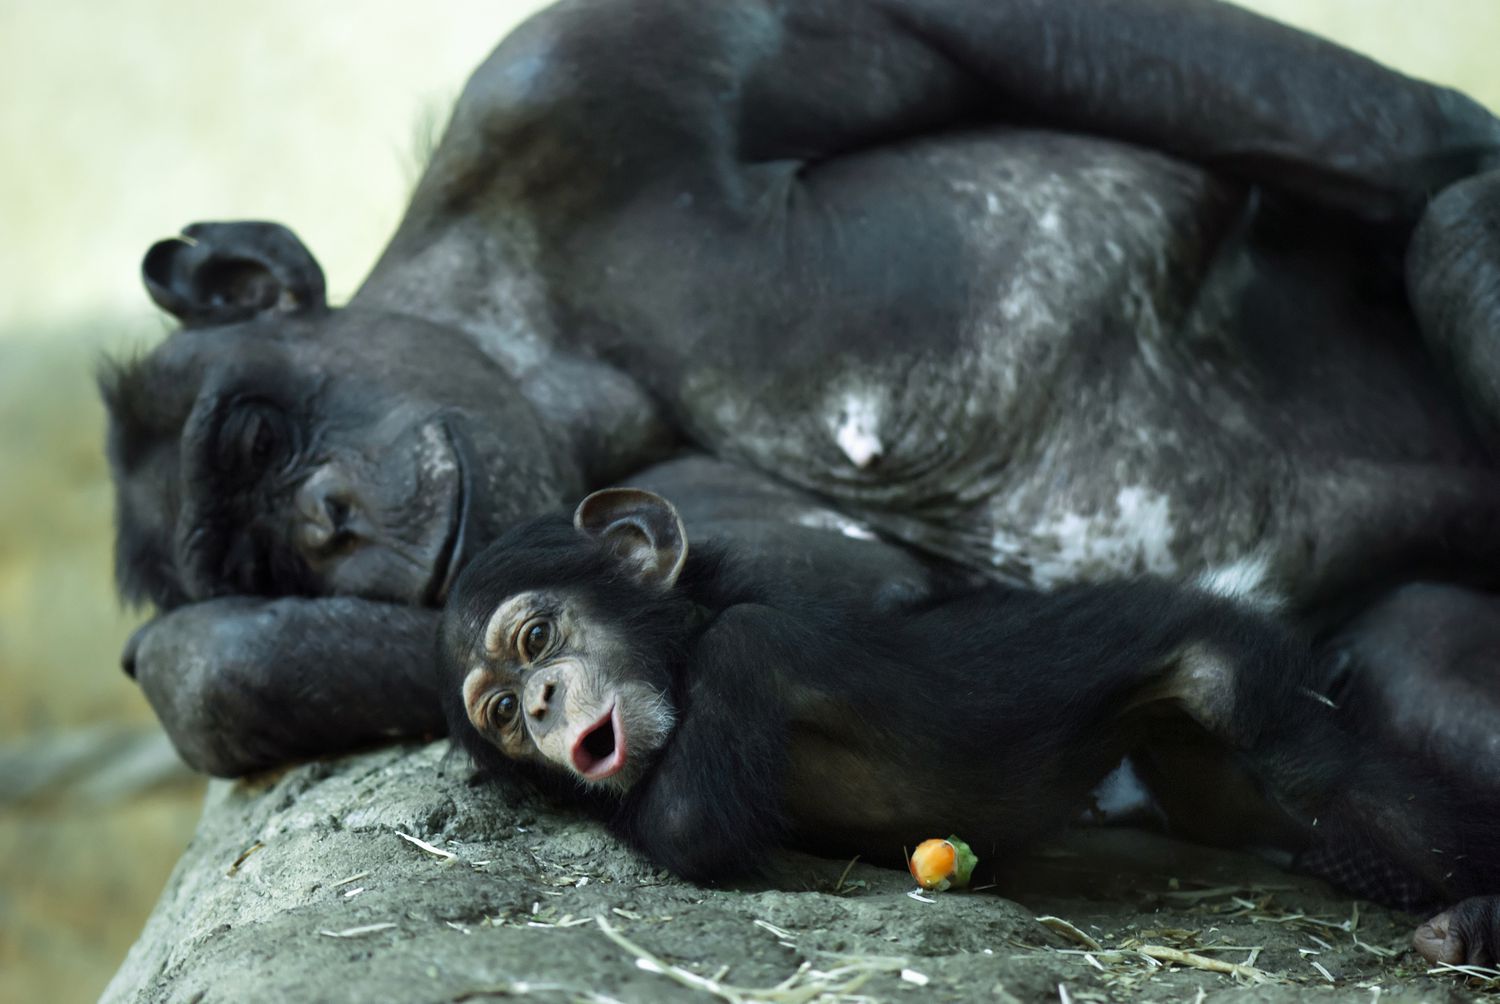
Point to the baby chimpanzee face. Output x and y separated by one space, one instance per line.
547 685
558 644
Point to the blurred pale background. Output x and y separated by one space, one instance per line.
122 121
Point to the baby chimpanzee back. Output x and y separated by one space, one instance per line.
713 716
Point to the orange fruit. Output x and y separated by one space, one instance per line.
933 863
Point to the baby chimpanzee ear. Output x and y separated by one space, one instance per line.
641 528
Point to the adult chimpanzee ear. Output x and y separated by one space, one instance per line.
220 273
641 528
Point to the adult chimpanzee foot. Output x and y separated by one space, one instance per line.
1467 934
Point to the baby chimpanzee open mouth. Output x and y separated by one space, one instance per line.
599 750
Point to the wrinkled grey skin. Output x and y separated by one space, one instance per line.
1052 290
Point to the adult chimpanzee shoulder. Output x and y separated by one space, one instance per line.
713 713
1052 290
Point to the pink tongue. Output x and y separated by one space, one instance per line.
596 750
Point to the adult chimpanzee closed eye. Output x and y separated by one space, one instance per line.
713 715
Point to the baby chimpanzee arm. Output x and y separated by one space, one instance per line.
713 805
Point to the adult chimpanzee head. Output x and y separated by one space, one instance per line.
276 446
560 642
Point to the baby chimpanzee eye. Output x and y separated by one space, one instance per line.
503 708
534 639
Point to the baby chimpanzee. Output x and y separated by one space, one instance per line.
713 716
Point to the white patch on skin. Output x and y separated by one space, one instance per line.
1149 331
1204 683
1072 546
856 432
825 519
1026 305
1149 513
437 453
1246 580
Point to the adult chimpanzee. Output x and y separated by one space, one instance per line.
845 242
712 712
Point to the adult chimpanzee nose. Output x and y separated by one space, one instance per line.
325 506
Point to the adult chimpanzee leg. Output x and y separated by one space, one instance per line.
1419 672
1381 814
1422 668
1453 276
1204 80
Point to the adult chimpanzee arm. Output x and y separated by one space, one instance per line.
713 805
649 86
241 684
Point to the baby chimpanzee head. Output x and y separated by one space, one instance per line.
560 642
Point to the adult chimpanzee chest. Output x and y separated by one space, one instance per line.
1048 355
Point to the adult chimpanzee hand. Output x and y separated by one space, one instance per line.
242 684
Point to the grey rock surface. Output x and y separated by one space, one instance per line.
300 886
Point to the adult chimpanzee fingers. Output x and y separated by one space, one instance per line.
641 528
1466 934
220 273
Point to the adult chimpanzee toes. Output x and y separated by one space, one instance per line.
1467 934
1438 940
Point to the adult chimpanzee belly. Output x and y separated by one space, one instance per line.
1080 360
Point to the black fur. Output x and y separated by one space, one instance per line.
656 221
1009 704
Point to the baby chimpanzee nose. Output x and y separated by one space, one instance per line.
542 694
